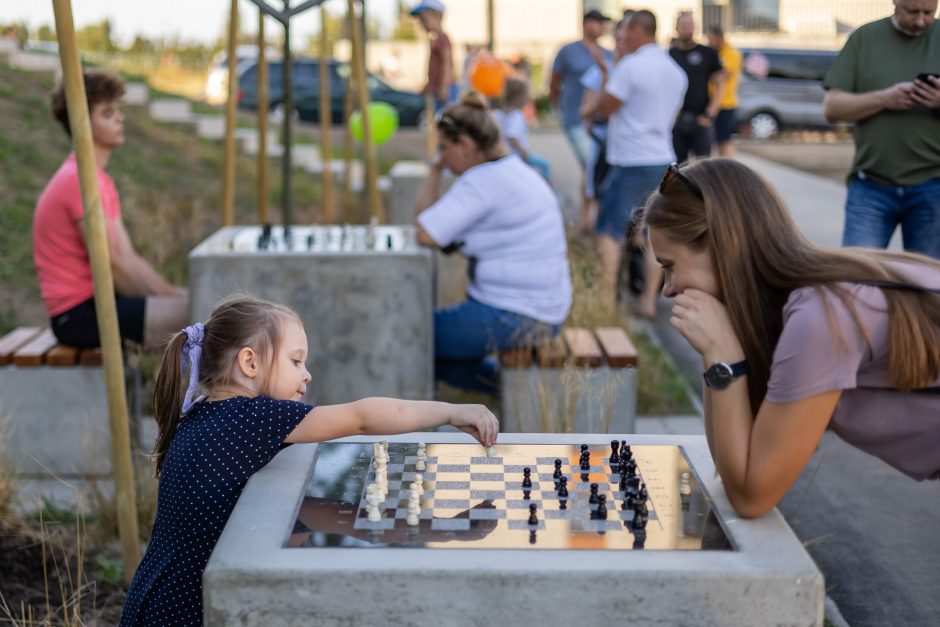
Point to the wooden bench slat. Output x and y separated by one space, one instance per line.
552 354
32 353
91 357
583 347
14 340
520 357
617 346
62 355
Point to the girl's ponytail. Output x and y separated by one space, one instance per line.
167 395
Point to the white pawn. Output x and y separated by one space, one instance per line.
420 465
419 481
491 451
413 511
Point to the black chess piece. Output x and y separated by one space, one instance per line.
533 519
563 504
639 538
643 494
584 449
310 242
586 460
631 466
623 483
625 450
593 498
563 487
557 473
532 537
602 507
526 478
526 494
614 455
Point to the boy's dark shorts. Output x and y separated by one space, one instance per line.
79 326
724 125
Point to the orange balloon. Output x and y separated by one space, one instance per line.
488 76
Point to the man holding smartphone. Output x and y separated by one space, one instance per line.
885 82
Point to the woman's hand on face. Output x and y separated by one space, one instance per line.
704 321
476 420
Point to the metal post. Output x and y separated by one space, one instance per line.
429 118
348 145
372 182
96 238
228 159
326 121
262 123
490 19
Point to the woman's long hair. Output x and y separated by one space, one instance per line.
235 323
760 256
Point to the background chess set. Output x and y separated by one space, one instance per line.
470 500
321 239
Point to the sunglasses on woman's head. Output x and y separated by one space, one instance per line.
672 173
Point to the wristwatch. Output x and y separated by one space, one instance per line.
720 375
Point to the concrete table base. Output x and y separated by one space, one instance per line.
252 579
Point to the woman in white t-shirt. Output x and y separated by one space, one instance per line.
505 219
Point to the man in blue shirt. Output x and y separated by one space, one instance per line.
566 91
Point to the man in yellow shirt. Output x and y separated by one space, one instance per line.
731 62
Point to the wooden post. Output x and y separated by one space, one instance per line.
96 239
326 121
490 19
371 161
429 118
228 161
262 123
287 104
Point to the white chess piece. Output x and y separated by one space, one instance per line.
414 511
491 451
419 481
420 465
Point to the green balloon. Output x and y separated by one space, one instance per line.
383 122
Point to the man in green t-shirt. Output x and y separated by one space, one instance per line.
895 177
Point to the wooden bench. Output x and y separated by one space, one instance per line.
54 407
582 381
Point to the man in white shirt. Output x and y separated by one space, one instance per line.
641 98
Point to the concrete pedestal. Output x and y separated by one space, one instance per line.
253 579
367 311
54 420
566 400
171 110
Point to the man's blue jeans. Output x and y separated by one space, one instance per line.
466 333
874 210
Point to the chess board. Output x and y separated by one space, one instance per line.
471 501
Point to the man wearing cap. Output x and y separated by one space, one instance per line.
566 90
441 82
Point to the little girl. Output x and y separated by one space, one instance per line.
514 127
250 358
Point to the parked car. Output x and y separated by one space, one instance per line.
216 90
306 92
782 88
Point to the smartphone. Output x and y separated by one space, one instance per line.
923 76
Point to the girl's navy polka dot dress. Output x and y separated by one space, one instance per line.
217 447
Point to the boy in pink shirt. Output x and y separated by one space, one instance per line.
149 307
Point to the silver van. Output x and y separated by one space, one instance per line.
782 88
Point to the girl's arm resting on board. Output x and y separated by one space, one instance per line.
386 416
759 458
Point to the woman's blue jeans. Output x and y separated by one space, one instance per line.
467 333
874 210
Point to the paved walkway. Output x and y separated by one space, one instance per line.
870 529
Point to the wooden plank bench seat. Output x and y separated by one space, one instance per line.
35 346
583 380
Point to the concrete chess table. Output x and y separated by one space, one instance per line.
299 549
364 294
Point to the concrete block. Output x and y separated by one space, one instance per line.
249 139
210 127
305 155
54 420
407 176
450 281
171 110
253 579
8 46
137 94
35 62
566 400
367 312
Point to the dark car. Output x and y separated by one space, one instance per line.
782 88
306 92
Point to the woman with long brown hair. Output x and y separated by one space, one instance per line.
795 338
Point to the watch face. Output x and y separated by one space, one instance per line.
719 376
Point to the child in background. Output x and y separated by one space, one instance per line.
514 127
250 358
